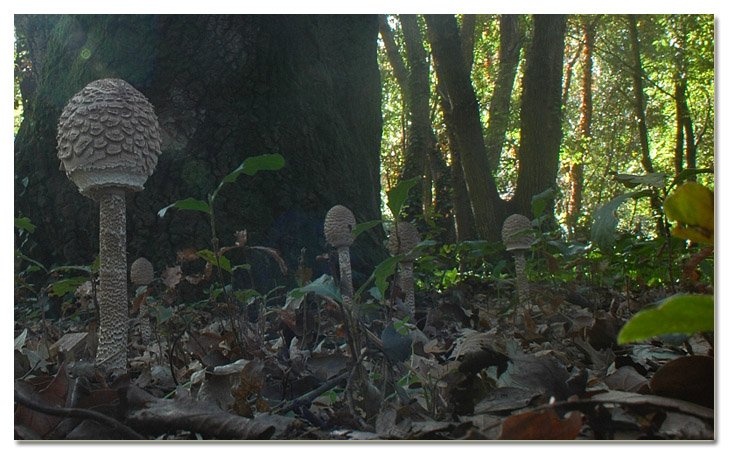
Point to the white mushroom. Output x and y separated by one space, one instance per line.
338 226
108 144
517 237
403 239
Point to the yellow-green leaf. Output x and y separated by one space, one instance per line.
679 314
692 206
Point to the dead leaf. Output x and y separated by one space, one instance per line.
171 276
626 379
541 425
690 378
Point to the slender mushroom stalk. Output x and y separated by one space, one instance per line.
141 273
108 144
338 226
517 237
402 240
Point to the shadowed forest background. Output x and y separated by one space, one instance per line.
584 124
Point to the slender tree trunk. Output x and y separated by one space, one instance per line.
499 108
453 71
540 112
679 93
575 204
686 147
639 105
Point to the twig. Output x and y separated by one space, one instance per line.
308 397
125 430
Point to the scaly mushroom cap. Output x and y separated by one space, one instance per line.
141 272
108 136
517 233
407 238
338 226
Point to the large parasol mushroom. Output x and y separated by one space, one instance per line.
517 237
109 143
403 239
338 226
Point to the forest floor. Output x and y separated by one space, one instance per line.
470 368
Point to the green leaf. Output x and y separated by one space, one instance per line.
365 226
69 285
603 231
692 206
540 200
252 165
690 172
323 286
209 256
189 204
24 224
658 180
397 195
679 314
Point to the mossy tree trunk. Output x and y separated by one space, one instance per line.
225 87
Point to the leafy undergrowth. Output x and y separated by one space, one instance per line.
467 369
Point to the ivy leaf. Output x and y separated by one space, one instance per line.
397 195
364 226
679 314
189 204
323 286
64 286
540 200
651 180
24 224
252 165
692 206
603 231
209 256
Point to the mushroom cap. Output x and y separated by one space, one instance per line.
141 272
407 238
517 233
108 136
338 226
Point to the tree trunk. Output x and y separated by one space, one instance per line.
575 204
639 104
453 72
499 108
225 88
686 148
540 112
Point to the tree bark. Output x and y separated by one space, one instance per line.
225 88
499 108
453 72
540 112
639 104
575 203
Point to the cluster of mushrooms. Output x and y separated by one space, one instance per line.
109 143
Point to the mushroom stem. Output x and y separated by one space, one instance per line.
523 292
111 355
343 253
406 285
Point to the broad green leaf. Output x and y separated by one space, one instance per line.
658 180
252 165
209 256
398 194
365 226
62 287
679 314
603 231
24 224
692 206
323 286
189 204
540 200
383 271
689 172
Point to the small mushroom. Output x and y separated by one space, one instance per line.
338 226
108 143
141 272
517 237
402 240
